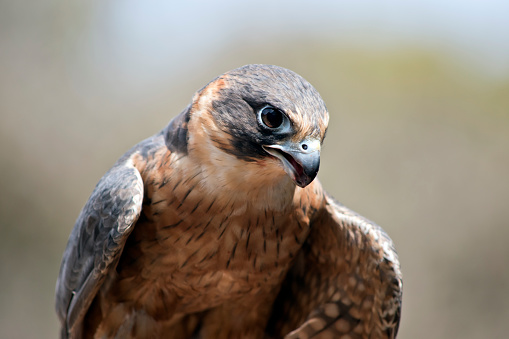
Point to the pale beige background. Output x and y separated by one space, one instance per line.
418 138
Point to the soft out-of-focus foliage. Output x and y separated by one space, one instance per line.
418 141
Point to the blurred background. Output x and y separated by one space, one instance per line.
418 141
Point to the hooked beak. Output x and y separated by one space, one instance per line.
300 161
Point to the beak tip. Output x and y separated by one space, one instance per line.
305 179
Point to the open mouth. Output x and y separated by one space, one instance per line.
293 167
298 169
290 165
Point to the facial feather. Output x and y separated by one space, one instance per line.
234 98
226 137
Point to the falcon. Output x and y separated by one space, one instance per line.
216 227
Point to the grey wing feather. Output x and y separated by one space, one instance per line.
97 241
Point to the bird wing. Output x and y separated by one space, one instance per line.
346 280
97 241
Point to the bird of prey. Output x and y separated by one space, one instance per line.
217 228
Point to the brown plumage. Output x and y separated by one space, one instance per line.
215 228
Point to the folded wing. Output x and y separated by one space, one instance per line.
96 242
346 280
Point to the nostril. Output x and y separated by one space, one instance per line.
304 147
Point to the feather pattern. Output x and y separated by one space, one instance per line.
199 232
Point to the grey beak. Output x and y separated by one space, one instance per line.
300 161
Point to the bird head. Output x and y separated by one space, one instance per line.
262 114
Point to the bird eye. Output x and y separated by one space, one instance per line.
271 117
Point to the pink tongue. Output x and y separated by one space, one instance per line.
298 168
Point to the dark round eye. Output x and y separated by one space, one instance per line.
271 117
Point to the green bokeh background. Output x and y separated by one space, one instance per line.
418 139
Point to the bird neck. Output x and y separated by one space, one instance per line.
258 183
238 184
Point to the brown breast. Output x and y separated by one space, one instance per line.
193 250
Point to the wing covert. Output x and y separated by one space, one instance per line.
97 241
345 281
